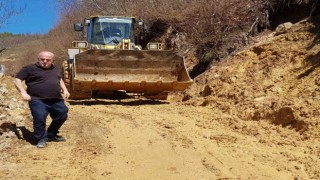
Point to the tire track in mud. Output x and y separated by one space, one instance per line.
167 141
91 146
143 143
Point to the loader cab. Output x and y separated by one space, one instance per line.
110 31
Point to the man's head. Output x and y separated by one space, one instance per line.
45 59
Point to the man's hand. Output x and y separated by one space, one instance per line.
65 91
23 92
66 94
26 96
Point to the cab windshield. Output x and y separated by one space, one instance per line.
111 31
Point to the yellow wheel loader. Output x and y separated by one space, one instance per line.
110 59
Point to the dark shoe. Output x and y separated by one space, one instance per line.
55 138
42 144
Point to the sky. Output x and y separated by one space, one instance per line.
38 17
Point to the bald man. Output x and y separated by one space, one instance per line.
43 93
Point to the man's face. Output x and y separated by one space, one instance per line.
45 60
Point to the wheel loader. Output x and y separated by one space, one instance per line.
109 58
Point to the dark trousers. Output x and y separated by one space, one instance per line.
40 108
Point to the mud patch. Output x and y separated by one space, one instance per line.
285 117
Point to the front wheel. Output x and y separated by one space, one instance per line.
66 75
160 96
68 78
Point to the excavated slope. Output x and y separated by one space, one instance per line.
276 80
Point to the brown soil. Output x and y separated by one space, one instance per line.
252 116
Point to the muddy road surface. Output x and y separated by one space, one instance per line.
143 139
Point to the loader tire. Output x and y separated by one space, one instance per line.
160 96
66 74
81 94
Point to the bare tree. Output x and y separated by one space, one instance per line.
212 26
8 10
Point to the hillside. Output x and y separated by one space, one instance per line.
16 55
275 80
254 115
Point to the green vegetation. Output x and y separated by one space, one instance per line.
5 34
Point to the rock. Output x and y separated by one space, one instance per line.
283 28
284 116
206 91
2 70
3 90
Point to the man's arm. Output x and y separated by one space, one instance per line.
20 88
66 93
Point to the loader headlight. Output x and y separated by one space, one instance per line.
79 44
155 46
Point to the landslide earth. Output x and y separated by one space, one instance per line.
276 80
252 116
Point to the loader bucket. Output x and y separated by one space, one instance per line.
137 71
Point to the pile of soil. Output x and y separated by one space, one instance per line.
275 80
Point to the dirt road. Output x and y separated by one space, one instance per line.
142 139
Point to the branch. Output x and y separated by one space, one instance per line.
251 31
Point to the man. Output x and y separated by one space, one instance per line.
44 85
